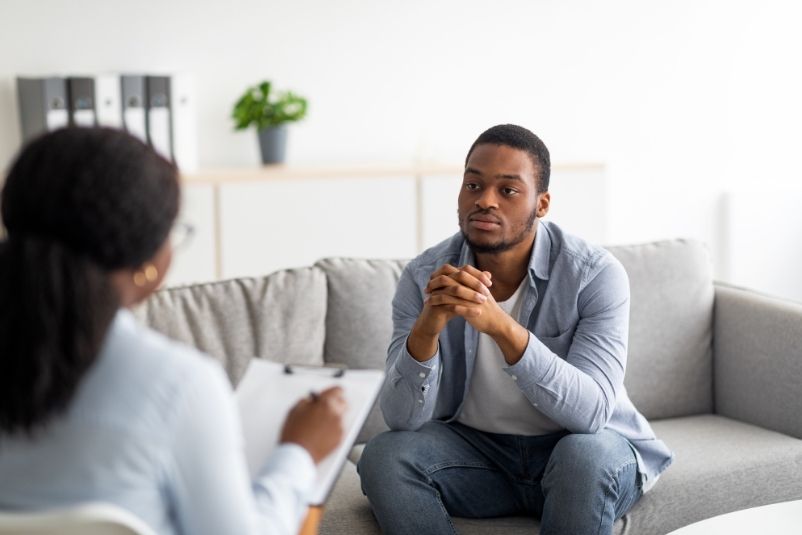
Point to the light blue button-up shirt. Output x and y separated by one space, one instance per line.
576 308
154 429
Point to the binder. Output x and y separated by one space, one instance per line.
42 105
108 108
183 114
159 118
269 390
133 106
81 100
159 110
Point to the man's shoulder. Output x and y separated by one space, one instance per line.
581 256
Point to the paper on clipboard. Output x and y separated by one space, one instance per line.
266 394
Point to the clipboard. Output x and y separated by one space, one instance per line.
269 390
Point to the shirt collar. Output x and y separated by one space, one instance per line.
541 253
538 262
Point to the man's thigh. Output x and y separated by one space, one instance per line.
458 462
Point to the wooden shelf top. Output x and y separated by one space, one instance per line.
285 171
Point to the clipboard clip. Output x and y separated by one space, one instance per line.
336 371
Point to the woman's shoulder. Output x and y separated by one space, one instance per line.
142 346
138 367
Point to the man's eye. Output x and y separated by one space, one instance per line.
509 191
470 186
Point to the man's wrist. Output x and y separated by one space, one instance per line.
502 328
421 346
512 338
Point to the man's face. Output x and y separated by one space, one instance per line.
498 201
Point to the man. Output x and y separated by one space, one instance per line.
504 387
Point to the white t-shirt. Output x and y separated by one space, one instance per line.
494 403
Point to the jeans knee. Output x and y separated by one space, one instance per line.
383 458
584 459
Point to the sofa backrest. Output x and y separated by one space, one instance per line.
358 318
670 360
669 370
339 311
281 317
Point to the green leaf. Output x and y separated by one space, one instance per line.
262 107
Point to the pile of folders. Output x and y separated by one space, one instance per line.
160 110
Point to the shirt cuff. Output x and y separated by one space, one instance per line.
295 464
533 365
409 365
420 374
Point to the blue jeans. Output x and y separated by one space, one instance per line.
575 484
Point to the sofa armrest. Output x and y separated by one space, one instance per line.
757 359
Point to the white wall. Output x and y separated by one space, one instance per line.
682 101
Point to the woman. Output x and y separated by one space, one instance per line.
94 407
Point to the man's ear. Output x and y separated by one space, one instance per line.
543 201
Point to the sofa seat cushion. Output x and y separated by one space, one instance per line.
721 465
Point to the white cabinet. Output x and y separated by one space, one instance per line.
195 261
293 222
439 207
254 222
580 201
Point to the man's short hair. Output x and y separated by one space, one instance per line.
518 137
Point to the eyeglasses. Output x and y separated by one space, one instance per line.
181 235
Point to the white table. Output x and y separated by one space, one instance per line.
778 518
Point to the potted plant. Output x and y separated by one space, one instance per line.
269 111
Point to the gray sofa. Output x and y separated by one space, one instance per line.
716 369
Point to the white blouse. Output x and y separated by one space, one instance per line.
154 429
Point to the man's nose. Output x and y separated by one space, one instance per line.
487 200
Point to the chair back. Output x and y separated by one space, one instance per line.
83 519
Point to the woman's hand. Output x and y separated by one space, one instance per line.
316 423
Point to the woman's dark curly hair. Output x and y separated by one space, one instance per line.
77 204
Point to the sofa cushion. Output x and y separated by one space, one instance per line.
280 317
721 466
670 363
359 317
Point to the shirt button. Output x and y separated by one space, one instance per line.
422 375
514 377
420 401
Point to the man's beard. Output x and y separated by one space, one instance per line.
500 247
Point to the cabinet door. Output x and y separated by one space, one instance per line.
194 261
580 202
280 223
439 208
